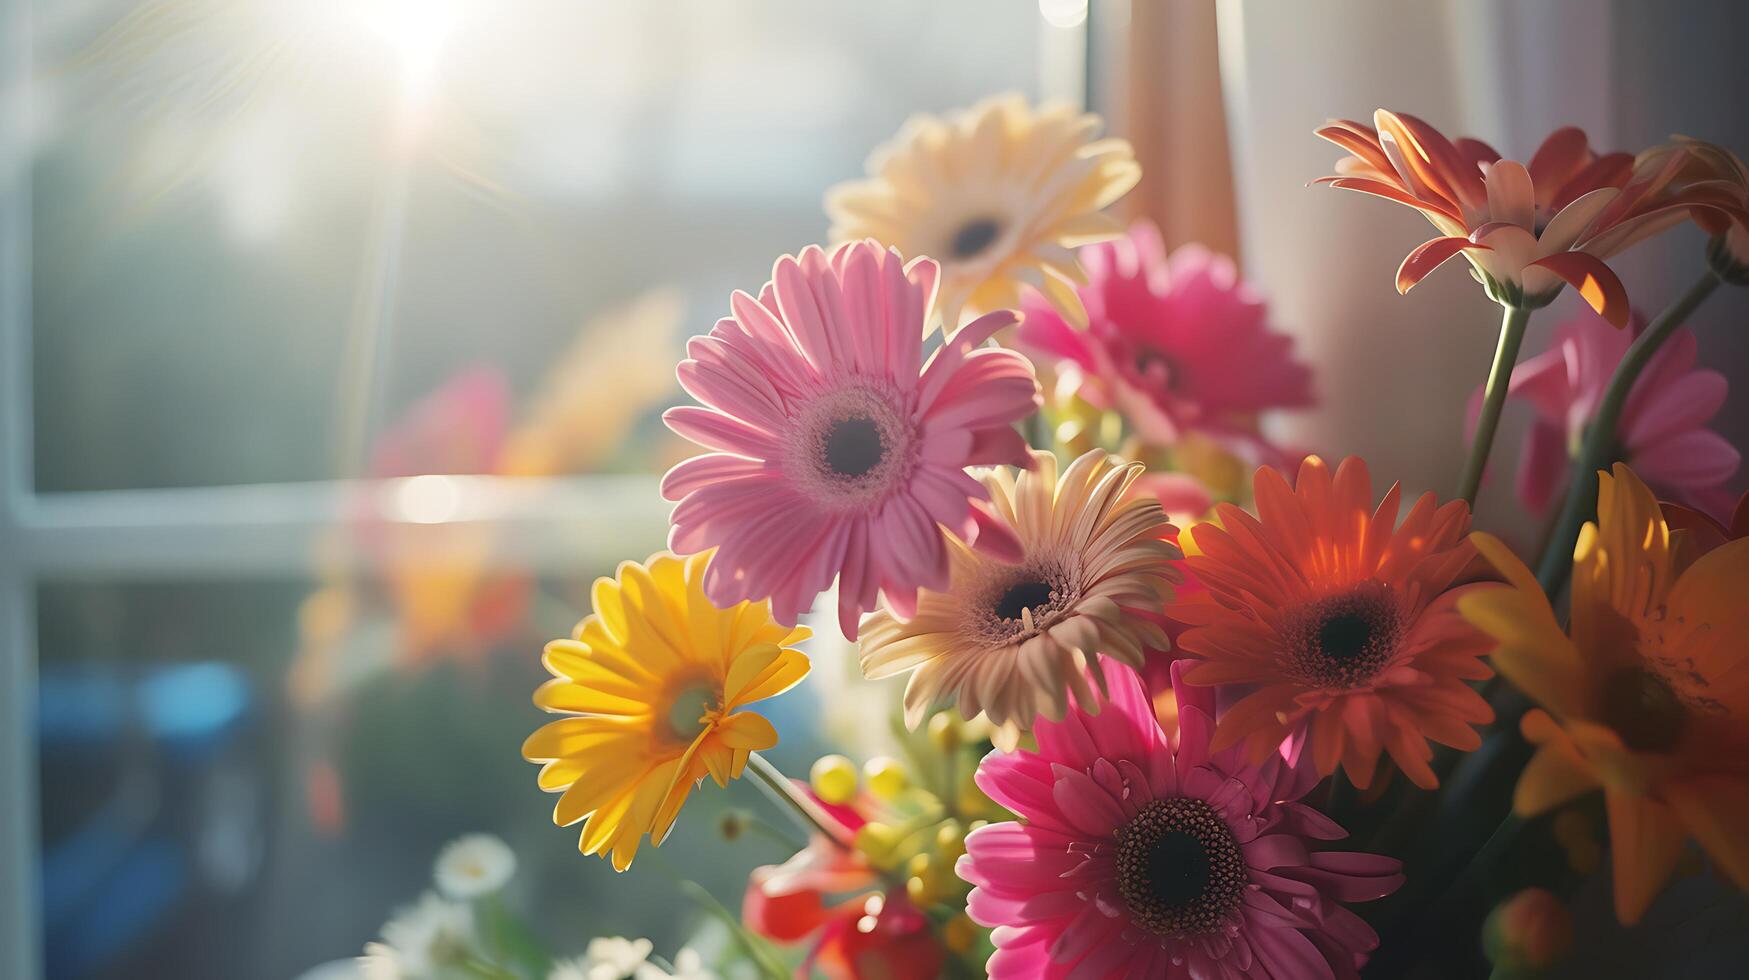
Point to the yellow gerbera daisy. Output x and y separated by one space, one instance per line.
655 682
998 194
1646 695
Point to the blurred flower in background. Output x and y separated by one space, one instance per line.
474 866
1641 695
999 194
1662 431
1176 345
431 939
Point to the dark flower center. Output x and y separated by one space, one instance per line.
973 237
1149 361
1644 710
1345 636
1345 639
1179 869
854 446
1021 596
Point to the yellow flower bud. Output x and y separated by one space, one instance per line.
833 778
886 778
945 731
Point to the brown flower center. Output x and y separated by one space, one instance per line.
1030 594
1016 602
1642 707
974 237
1345 639
1179 869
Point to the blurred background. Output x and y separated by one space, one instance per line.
335 335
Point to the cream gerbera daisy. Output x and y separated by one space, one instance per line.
999 194
1011 640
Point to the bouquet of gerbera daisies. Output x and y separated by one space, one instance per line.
1182 701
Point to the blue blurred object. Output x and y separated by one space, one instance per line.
129 856
186 706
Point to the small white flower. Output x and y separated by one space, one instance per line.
474 866
572 969
420 940
688 965
615 958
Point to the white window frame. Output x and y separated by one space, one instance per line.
549 526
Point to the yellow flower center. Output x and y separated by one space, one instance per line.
692 709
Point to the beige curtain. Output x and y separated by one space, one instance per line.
1166 95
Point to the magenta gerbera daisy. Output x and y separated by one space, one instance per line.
1140 855
839 453
1176 345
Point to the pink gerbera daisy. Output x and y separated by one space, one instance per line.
1176 345
1662 432
839 452
1142 856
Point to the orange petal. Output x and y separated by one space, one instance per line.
1646 840
1554 775
1428 256
1594 280
1712 808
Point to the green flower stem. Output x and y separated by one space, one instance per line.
487 970
1599 449
1035 430
1512 323
806 811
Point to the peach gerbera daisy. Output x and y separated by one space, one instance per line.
1646 694
1526 229
1011 640
999 194
1714 182
655 683
1339 625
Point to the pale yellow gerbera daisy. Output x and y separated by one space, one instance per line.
999 194
1012 640
655 682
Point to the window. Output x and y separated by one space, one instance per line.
302 299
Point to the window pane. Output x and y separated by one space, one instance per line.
267 228
246 779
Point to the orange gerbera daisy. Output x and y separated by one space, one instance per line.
1340 625
1647 693
1526 229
